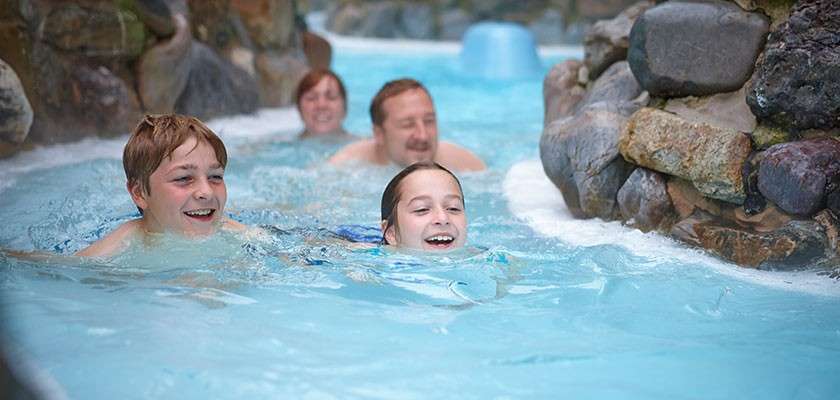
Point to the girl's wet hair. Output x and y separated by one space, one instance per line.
391 195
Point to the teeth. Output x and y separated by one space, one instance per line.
199 213
441 238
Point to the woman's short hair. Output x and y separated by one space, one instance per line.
312 78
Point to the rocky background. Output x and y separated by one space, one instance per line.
70 69
551 21
713 122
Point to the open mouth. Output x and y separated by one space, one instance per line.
204 214
440 241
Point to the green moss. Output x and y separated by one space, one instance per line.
765 136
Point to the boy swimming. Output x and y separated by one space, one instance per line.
423 208
174 166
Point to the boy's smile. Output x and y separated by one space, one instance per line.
187 192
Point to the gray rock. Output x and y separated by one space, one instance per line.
156 15
453 24
711 158
215 87
164 69
644 201
279 76
796 84
616 85
724 110
580 156
601 9
606 41
798 176
695 48
15 111
417 21
561 91
381 20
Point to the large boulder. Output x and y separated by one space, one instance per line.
164 68
270 23
580 156
561 91
799 176
98 29
216 87
682 48
15 111
796 84
711 158
616 85
796 245
644 201
723 110
279 75
606 41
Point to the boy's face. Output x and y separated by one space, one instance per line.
409 131
430 213
188 192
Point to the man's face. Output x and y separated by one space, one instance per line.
409 132
187 192
322 108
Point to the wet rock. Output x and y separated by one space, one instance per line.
754 202
270 23
164 69
796 245
798 176
580 156
796 83
616 85
687 200
765 136
453 24
723 110
710 157
417 21
279 76
777 10
98 30
644 201
561 91
831 226
15 111
216 87
606 41
695 48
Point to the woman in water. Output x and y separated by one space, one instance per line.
322 103
423 208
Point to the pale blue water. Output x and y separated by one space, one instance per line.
537 306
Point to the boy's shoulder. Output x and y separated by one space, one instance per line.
114 242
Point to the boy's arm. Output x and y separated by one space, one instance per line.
113 242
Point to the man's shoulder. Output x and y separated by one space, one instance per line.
456 157
364 149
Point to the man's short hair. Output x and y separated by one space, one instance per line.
391 89
156 137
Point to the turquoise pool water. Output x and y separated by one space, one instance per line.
537 306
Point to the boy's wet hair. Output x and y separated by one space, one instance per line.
313 78
156 137
391 195
391 89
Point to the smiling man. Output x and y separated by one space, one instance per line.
405 132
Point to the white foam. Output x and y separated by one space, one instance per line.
533 198
282 122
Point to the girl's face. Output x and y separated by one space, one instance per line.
430 213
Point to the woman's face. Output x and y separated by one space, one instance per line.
322 108
430 213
